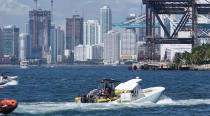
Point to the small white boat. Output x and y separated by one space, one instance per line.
24 64
130 91
4 78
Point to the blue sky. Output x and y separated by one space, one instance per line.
16 11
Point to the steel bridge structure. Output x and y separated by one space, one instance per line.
189 9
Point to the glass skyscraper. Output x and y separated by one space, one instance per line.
1 44
74 32
39 30
105 21
10 40
57 44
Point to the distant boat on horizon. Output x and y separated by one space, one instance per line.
24 64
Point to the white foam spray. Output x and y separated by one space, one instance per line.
49 107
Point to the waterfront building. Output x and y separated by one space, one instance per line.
39 30
91 32
97 51
10 40
141 50
57 45
66 53
168 51
24 48
128 45
112 48
82 53
74 32
105 21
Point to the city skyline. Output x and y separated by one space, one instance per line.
11 9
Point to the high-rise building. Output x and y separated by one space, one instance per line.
53 46
1 44
141 50
57 45
23 48
60 44
10 40
105 21
39 30
91 32
142 34
82 53
98 51
128 45
112 48
74 32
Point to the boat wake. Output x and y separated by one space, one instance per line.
49 107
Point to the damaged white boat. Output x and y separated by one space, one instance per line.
130 91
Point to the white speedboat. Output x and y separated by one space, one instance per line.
130 91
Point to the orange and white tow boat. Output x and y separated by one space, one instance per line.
7 106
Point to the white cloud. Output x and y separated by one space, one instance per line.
13 7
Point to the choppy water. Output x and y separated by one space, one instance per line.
46 91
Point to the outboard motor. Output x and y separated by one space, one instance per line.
84 99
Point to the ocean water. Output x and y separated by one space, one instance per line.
50 91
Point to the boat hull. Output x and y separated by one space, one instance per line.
7 106
7 80
151 94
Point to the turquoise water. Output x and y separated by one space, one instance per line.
47 91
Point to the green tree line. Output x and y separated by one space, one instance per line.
199 55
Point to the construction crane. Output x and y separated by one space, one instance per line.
52 10
35 1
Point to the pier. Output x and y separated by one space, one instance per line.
150 65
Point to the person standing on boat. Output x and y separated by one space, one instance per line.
107 92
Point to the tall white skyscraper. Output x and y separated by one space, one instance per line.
105 21
128 45
111 48
23 46
91 32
